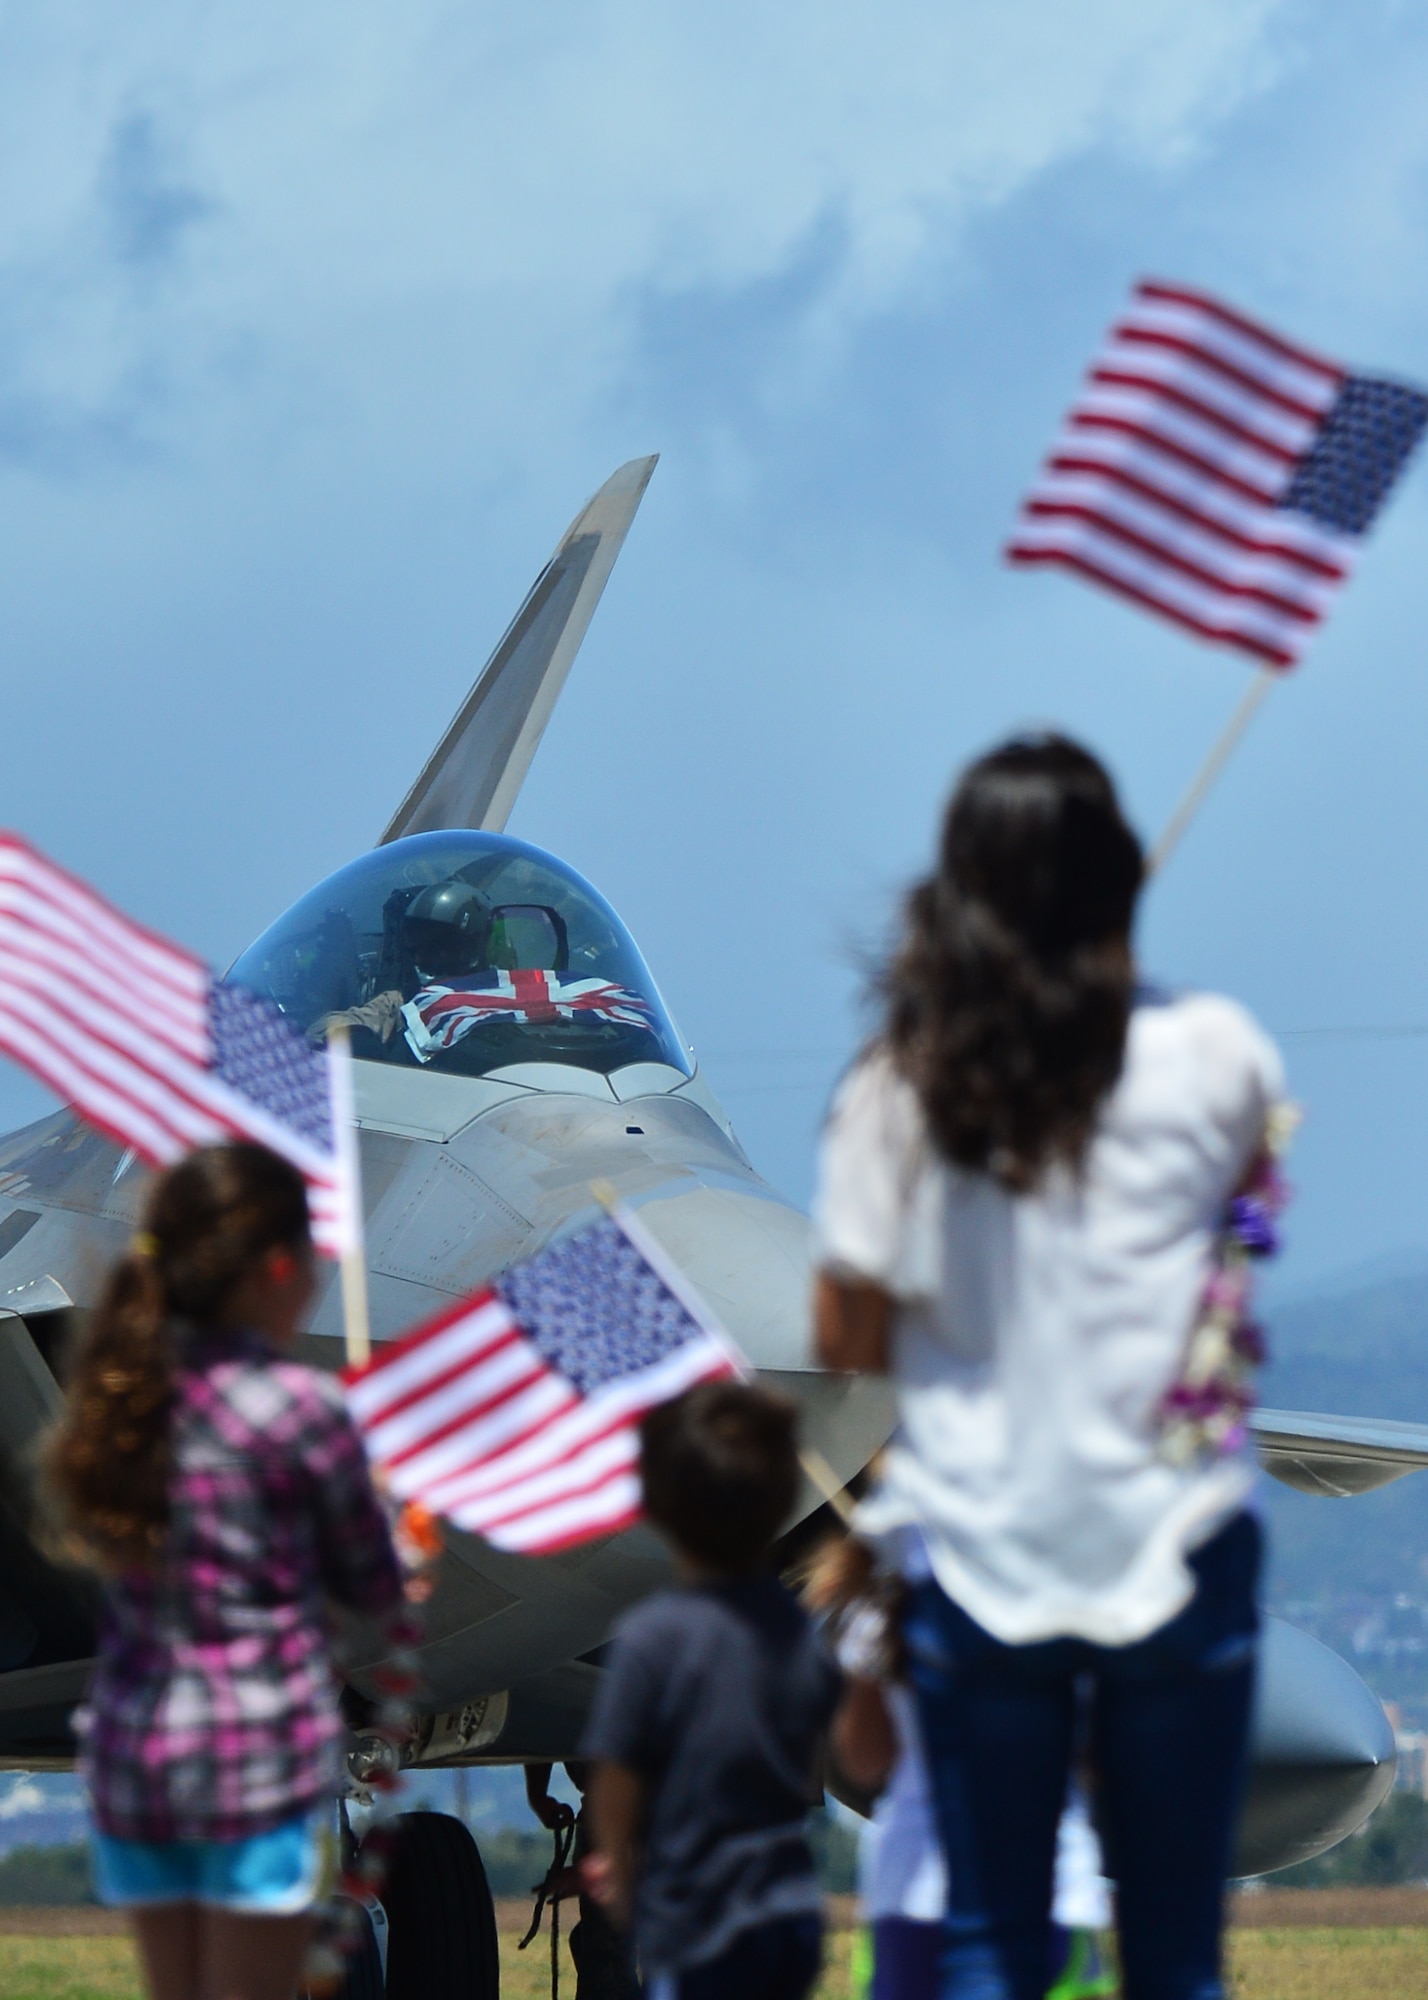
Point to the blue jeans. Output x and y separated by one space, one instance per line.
1169 1723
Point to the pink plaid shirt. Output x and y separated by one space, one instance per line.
213 1713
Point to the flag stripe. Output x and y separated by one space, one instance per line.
1222 612
1184 379
1168 479
571 1430
166 1122
1251 385
515 1413
1216 344
109 1108
1103 570
505 1360
120 1023
1166 451
1215 312
30 927
527 1416
614 1505
460 1332
145 950
111 1040
1166 428
1317 554
1171 543
591 1466
492 1405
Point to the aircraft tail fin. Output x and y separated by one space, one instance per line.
473 775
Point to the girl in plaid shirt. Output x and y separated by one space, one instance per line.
224 1495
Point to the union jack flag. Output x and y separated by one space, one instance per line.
146 1044
439 1016
1218 474
515 1414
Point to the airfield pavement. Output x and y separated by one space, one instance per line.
1307 1944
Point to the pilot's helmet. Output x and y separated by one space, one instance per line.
444 929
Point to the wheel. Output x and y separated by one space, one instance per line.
441 1938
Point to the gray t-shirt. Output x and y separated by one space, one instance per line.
717 1696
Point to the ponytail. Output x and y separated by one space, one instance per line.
108 1460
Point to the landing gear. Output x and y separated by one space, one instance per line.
442 1921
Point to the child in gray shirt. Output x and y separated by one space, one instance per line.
707 1729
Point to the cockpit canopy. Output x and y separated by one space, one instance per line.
464 952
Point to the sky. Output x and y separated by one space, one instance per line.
317 326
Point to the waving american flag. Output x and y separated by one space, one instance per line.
146 1044
439 1016
516 1413
1217 473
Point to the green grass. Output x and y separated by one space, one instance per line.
1265 1965
82 1968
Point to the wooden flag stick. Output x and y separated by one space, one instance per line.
822 1475
1205 777
356 1319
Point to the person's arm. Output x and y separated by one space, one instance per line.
863 1740
553 1814
615 1802
852 1322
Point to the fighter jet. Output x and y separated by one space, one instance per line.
513 1049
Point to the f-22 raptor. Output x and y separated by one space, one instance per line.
512 1049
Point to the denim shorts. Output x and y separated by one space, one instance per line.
279 1873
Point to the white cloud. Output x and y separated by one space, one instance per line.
350 203
24 1796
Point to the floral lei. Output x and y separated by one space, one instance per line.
1205 1413
416 1537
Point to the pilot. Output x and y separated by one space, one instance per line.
443 933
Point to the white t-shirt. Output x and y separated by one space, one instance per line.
1035 1334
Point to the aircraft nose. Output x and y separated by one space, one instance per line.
1322 1753
749 1259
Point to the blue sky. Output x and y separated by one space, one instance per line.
316 329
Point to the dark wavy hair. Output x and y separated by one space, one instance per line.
1008 998
107 1463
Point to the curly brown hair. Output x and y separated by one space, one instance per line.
107 1461
1008 1000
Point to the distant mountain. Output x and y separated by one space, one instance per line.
1356 1571
1359 1346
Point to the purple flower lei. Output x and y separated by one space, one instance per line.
1205 1413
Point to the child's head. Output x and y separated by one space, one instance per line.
719 1467
208 1223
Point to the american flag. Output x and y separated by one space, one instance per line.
140 1038
1217 473
439 1016
515 1414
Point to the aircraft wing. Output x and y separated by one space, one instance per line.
1337 1456
473 775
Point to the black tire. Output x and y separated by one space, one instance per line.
441 1938
363 1978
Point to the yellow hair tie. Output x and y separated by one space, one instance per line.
143 1244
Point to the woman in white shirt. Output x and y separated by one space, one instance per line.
1024 1183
